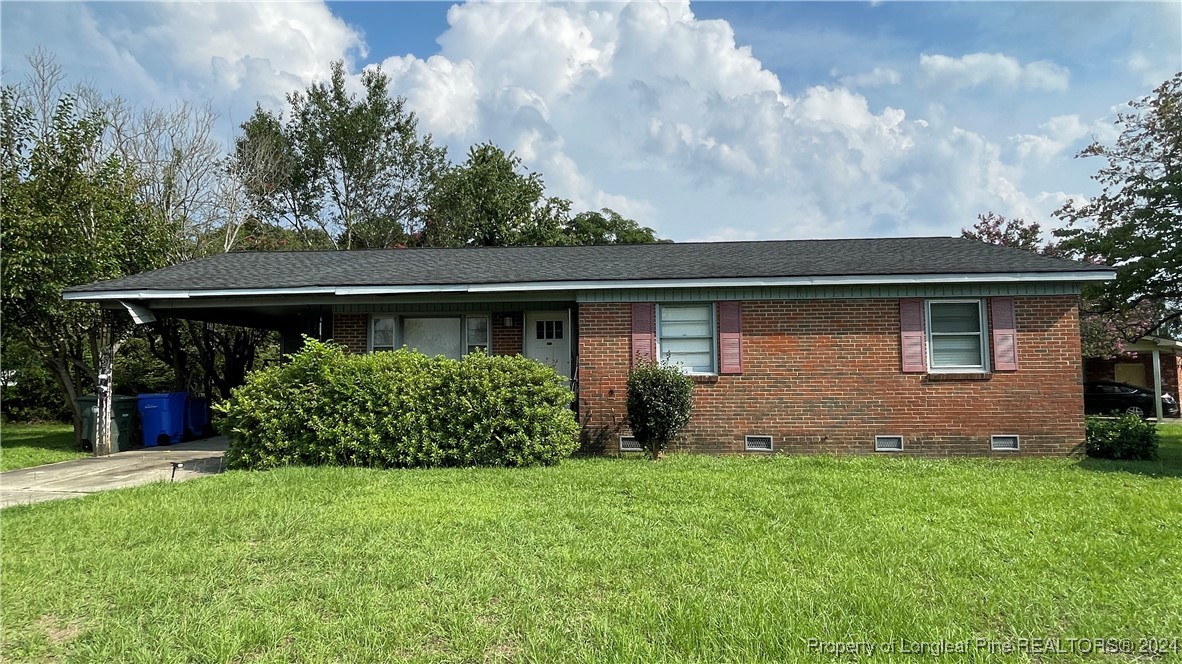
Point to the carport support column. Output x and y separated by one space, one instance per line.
108 346
1157 384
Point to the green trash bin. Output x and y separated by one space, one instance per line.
121 421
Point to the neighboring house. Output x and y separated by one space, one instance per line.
925 346
1136 365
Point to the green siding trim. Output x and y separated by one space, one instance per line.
448 307
825 292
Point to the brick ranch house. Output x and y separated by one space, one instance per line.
918 346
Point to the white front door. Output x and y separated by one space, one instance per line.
547 339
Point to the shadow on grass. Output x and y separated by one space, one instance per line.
25 445
1167 464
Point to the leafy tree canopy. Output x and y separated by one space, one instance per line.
351 168
492 200
606 227
1135 224
68 215
1017 233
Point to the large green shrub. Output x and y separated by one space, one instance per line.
1124 437
399 409
660 398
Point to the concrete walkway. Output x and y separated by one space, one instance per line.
70 479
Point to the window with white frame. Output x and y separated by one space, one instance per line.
476 333
956 335
451 336
433 336
685 336
382 333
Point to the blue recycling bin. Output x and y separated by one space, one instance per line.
197 417
162 417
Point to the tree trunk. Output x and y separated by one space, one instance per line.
61 373
166 341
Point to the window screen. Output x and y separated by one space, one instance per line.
383 334
955 335
687 336
433 336
477 330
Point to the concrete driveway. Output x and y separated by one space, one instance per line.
70 479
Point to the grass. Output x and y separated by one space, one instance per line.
25 445
692 558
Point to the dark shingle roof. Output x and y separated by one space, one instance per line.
492 265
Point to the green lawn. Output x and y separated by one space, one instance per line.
692 558
24 445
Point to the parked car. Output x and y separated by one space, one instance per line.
1108 396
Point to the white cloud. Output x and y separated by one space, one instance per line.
643 107
978 69
444 92
1060 133
875 78
236 54
639 107
1149 71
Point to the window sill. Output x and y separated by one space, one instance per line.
703 378
972 375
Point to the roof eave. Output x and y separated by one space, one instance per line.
541 286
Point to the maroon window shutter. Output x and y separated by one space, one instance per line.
1005 334
730 337
912 335
644 333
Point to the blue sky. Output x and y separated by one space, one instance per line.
732 120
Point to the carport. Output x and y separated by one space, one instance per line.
1156 347
1157 364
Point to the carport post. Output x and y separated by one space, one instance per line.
104 387
111 335
1157 384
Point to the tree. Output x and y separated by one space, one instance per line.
1018 233
492 200
1103 331
69 215
606 227
354 169
1133 225
179 167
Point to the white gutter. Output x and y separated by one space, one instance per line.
1148 344
526 286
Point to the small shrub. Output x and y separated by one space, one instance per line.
1124 437
660 398
399 409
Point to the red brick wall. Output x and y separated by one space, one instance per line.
824 376
351 331
506 340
